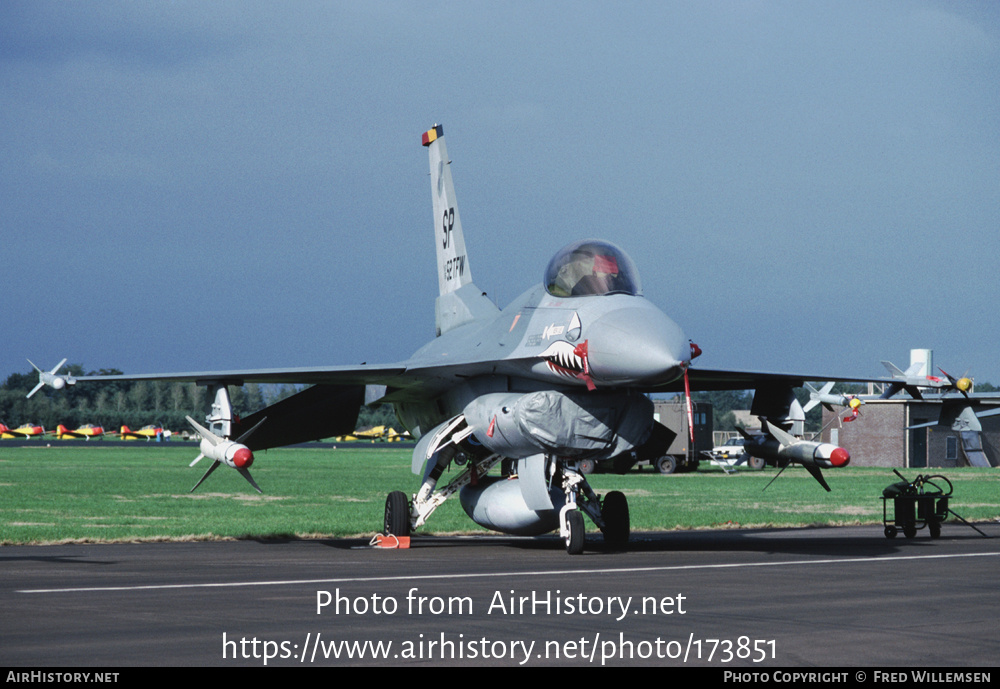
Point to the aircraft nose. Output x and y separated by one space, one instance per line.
636 345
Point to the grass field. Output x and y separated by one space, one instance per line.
141 492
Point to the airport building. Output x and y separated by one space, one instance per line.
950 435
882 434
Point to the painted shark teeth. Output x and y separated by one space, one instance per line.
563 359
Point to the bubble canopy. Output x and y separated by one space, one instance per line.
591 267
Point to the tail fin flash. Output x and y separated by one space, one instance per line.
453 263
459 300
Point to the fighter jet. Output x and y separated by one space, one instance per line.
911 381
52 378
555 378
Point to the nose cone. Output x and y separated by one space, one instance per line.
634 345
243 458
840 457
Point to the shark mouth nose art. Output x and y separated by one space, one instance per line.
566 359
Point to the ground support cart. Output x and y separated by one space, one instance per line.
924 502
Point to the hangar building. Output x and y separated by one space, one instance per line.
881 435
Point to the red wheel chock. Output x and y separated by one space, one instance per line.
390 541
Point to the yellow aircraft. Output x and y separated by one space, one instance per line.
28 430
87 431
393 436
374 433
146 432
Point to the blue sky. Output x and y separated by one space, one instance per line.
804 186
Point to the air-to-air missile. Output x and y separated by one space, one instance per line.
782 448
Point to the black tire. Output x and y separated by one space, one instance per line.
909 530
666 464
397 514
890 532
617 526
575 538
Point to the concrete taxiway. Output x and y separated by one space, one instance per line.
841 597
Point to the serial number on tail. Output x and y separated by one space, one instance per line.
454 267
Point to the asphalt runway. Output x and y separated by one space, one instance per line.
748 599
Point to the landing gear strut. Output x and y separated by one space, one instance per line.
610 515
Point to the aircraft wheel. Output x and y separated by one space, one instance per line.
574 540
397 514
586 466
614 510
666 464
756 463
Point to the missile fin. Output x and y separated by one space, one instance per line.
204 432
246 474
817 474
784 438
207 474
242 438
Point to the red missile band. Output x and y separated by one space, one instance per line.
840 457
243 457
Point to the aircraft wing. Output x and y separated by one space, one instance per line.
363 374
715 379
402 376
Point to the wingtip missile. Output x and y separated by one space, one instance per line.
51 378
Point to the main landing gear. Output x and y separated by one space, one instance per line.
610 514
397 514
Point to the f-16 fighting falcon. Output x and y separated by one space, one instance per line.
558 376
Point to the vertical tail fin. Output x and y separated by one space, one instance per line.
459 300
453 264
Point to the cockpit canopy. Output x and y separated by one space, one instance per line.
591 267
